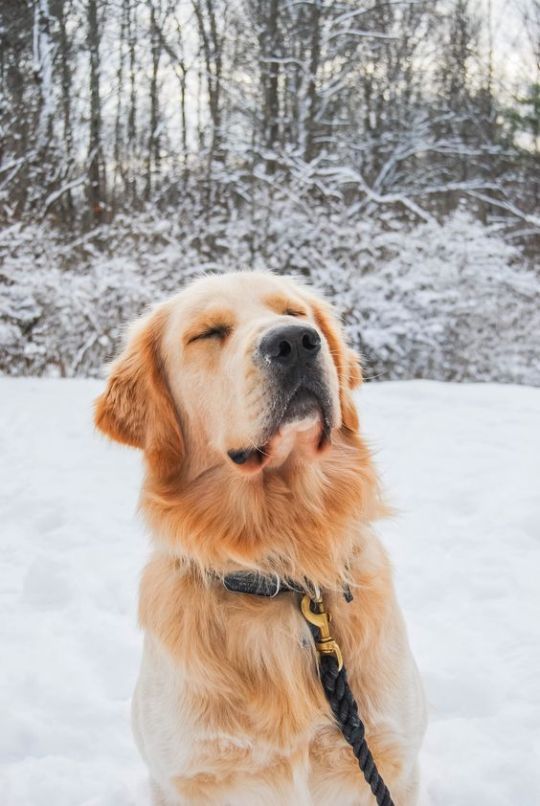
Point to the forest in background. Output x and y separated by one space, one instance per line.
377 148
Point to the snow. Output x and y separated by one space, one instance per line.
461 463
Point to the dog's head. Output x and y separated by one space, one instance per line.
248 370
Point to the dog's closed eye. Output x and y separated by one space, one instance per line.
294 312
214 332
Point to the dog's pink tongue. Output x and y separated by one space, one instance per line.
301 435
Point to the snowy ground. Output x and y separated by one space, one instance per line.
462 464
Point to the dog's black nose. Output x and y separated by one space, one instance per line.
291 346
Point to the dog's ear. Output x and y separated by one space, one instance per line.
136 407
346 361
354 369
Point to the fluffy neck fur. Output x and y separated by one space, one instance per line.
307 522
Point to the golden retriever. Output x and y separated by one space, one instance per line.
238 391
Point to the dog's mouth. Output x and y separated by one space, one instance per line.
303 421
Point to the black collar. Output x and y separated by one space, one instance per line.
258 585
269 586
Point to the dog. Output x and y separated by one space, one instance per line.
239 393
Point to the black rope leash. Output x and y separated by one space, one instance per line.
345 711
340 697
332 672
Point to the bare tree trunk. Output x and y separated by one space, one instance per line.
131 22
311 97
200 129
185 152
269 67
180 69
43 70
118 128
96 168
153 157
181 72
212 51
215 99
61 10
44 168
3 93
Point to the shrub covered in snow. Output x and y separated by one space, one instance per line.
446 301
451 302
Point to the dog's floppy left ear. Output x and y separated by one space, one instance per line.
136 407
346 361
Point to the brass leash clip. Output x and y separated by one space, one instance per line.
325 644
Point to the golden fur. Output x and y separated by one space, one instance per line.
249 712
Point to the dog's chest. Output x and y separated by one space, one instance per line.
183 731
